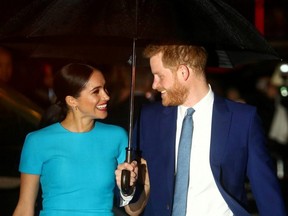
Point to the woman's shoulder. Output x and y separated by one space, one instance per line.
51 129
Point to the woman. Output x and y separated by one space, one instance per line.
75 158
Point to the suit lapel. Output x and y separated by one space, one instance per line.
221 120
168 136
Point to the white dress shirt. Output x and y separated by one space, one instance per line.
204 197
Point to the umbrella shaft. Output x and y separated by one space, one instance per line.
132 89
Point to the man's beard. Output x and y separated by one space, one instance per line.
175 96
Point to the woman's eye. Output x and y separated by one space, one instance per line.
106 91
96 91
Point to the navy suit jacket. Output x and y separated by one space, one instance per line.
237 151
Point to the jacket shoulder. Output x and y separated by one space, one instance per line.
233 105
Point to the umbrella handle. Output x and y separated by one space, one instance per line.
125 176
125 183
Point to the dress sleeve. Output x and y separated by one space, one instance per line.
123 144
30 161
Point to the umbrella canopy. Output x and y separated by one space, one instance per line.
104 30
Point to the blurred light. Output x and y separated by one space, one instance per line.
284 91
284 68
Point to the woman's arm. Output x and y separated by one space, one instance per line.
29 186
135 209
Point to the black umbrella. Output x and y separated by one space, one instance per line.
112 30
49 28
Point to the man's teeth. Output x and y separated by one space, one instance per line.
103 106
164 91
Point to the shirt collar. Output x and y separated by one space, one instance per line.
208 99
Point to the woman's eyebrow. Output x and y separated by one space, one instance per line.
95 88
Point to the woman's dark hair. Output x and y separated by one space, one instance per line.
69 80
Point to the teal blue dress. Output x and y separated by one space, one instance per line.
76 169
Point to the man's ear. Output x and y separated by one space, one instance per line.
184 72
71 101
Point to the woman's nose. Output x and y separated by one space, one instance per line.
106 96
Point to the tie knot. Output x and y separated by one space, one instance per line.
190 111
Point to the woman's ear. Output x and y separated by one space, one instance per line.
184 72
71 101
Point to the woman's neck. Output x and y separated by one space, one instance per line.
74 124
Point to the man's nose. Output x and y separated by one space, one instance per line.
154 84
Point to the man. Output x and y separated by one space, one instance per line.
228 143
